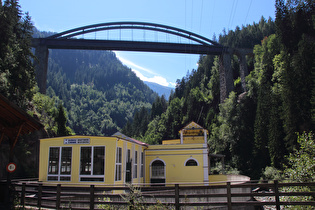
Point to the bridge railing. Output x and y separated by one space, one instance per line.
137 26
175 196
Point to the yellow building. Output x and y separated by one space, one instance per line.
91 159
119 159
183 160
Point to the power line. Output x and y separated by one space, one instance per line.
200 114
231 15
212 16
185 14
250 4
201 16
192 14
234 12
185 28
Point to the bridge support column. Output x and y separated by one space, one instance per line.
243 68
41 65
226 76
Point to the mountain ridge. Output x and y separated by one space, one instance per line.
160 89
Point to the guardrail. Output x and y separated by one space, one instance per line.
175 196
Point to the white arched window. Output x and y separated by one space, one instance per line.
158 169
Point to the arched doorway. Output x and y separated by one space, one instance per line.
158 172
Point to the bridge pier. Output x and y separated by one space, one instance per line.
226 72
241 53
226 75
243 70
41 65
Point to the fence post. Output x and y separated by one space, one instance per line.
131 201
23 195
229 196
177 206
277 194
39 196
58 196
92 197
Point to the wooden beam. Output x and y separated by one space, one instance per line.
17 136
2 136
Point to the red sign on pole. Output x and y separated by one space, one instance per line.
11 167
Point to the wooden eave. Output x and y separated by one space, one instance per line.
14 121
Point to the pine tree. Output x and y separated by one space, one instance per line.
313 98
61 121
158 107
276 134
264 55
17 72
295 29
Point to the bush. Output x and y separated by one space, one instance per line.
301 168
271 173
301 163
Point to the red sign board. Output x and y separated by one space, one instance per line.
11 167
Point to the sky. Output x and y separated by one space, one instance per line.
204 17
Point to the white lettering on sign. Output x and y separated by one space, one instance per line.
77 141
83 141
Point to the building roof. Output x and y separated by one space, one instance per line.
192 129
14 121
123 136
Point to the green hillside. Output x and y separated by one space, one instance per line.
257 128
99 93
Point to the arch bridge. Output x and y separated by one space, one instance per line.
154 38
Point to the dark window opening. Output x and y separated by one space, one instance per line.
191 162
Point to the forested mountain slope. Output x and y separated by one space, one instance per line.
99 93
257 128
196 97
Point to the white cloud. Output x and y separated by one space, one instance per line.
156 79
172 84
133 65
137 70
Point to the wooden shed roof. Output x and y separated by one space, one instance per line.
14 121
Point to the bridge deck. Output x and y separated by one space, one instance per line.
127 46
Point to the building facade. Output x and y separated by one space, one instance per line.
119 160
91 159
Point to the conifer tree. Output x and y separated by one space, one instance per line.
61 121
264 55
313 98
17 79
296 29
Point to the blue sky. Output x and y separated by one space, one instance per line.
204 17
